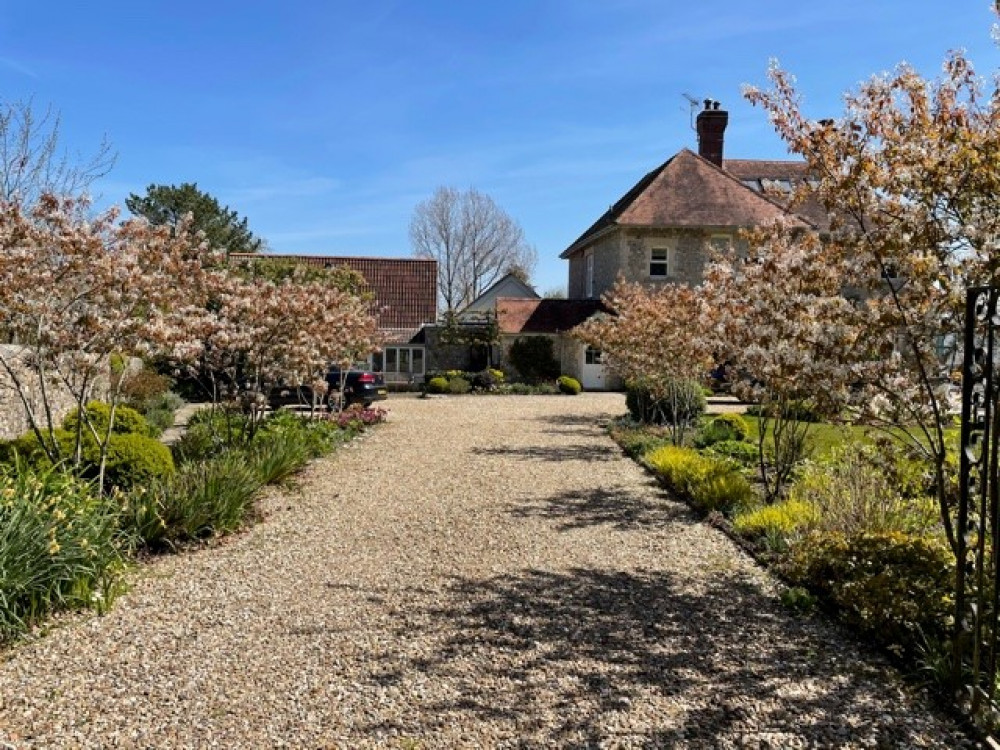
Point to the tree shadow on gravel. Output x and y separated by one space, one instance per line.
580 452
621 508
588 656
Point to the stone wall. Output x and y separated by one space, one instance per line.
13 417
607 266
691 250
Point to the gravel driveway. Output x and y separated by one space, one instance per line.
479 572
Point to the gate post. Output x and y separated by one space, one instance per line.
977 571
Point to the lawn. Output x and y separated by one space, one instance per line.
824 437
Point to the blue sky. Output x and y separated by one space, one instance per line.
325 123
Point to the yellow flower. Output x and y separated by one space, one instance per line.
53 546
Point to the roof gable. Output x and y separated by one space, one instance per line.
688 191
405 289
508 286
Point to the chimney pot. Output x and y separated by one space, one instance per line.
711 127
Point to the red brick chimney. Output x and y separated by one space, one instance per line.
711 126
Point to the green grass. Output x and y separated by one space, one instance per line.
823 437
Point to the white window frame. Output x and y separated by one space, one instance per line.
664 255
399 353
592 356
720 241
589 263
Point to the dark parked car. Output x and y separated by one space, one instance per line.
360 387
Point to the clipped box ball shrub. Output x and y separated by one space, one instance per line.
459 385
895 588
132 461
127 420
678 401
725 427
569 386
437 385
709 484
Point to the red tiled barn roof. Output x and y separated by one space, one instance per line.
405 289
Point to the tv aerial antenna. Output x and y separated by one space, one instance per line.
694 104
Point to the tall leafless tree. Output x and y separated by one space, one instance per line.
474 241
32 161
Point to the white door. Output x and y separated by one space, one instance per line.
592 371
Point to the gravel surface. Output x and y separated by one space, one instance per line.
478 572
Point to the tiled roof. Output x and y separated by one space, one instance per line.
544 315
778 178
688 191
405 289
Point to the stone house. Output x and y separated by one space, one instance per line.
663 229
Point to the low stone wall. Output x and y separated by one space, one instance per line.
13 417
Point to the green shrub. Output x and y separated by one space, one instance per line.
709 484
318 436
127 420
675 401
141 387
437 385
798 599
569 386
895 588
277 455
459 385
725 427
744 454
202 498
59 548
776 523
799 411
29 452
484 380
853 491
209 433
638 442
533 358
524 389
160 412
132 460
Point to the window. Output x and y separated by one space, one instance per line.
661 262
593 356
720 243
406 360
590 274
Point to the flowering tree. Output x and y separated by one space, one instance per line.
256 334
779 317
910 176
74 293
653 336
